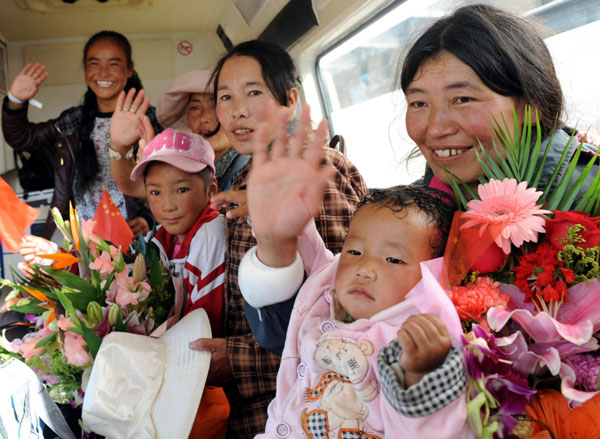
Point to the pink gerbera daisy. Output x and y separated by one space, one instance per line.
510 206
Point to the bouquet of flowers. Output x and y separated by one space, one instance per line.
522 267
90 289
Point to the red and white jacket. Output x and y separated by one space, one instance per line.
200 260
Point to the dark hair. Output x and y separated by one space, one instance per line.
87 168
205 174
504 50
438 211
277 67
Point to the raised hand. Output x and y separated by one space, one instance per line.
425 343
285 187
127 125
27 82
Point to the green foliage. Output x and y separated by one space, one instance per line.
60 368
68 375
153 261
82 298
518 156
69 280
585 262
462 191
40 281
28 308
47 340
558 200
161 301
161 297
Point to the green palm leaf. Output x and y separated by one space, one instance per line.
518 156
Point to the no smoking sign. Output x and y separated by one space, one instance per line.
184 48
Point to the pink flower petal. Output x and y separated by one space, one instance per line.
510 205
541 327
87 227
64 323
577 319
583 304
567 386
548 357
28 349
528 361
74 350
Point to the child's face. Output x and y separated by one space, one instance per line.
380 259
202 119
176 198
202 114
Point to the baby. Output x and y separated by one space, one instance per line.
371 320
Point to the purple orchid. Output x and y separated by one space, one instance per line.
535 358
491 374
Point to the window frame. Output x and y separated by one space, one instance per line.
321 87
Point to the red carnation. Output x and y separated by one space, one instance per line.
540 275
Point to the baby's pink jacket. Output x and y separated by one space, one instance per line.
312 395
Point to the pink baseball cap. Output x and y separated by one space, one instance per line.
186 151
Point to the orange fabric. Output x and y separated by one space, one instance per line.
213 415
110 224
15 217
464 247
551 409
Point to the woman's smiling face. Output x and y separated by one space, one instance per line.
244 101
106 72
450 110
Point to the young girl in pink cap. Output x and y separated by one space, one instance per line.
178 173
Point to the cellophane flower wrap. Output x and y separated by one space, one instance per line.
522 268
90 289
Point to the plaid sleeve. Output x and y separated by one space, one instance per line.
254 369
341 195
436 390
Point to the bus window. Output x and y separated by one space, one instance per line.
356 78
